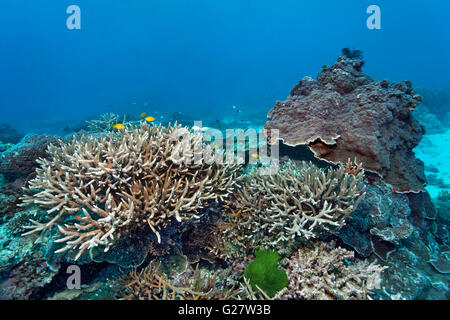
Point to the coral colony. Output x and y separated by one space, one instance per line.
147 210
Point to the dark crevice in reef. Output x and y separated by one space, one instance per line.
300 153
89 273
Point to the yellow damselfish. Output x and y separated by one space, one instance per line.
255 155
237 213
149 119
119 126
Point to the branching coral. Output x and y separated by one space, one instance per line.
95 189
105 123
208 285
248 293
151 284
300 201
147 284
318 271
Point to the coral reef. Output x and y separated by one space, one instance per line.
145 212
99 189
300 201
319 271
382 217
198 241
147 284
25 277
443 206
5 146
403 231
22 263
10 191
21 158
344 114
9 135
151 284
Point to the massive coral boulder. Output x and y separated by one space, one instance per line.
344 114
98 190
21 158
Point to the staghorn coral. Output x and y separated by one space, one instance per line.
147 284
248 293
319 271
151 284
97 189
300 201
207 285
105 123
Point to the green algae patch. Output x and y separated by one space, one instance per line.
264 272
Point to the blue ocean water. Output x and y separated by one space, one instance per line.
199 57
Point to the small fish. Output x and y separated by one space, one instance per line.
197 297
255 155
143 114
150 119
237 213
234 107
119 126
